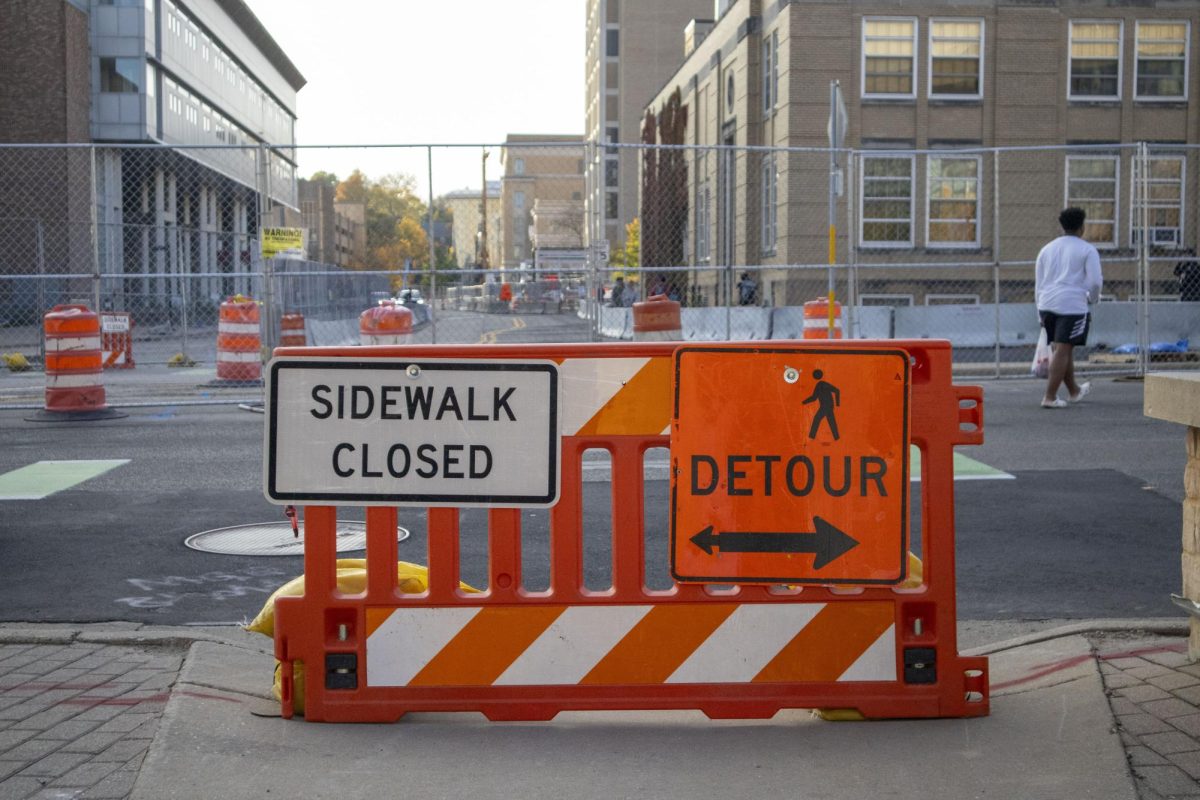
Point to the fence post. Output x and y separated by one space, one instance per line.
433 246
853 326
185 273
598 231
95 240
267 324
41 259
996 250
1143 281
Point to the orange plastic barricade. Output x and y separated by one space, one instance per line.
656 319
239 341
873 638
816 319
116 339
291 330
386 323
74 371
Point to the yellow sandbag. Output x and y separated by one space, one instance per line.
351 579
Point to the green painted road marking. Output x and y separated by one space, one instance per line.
44 478
965 469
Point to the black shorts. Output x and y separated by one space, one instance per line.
1066 328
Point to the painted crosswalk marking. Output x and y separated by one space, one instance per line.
43 478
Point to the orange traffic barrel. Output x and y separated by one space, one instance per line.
239 341
74 366
291 330
816 319
385 324
656 319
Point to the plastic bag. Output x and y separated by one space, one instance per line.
351 579
1041 357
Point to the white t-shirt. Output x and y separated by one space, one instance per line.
1067 276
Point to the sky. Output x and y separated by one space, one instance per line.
419 72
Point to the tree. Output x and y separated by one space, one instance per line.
327 178
631 253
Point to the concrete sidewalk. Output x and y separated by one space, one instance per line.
1097 710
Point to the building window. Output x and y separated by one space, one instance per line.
729 93
612 134
703 204
610 172
519 201
1092 185
1095 60
887 200
769 198
519 166
889 57
1164 195
956 58
1162 49
612 43
610 205
952 202
770 72
121 75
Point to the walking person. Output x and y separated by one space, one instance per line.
1067 281
827 397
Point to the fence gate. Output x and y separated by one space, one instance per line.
794 583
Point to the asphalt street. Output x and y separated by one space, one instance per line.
1088 527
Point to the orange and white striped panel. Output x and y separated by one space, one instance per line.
615 396
676 643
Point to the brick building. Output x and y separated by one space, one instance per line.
929 86
536 168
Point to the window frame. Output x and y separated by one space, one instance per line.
1097 98
1187 54
769 204
929 93
862 66
1116 199
862 179
952 156
770 73
1133 208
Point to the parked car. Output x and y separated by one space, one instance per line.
410 297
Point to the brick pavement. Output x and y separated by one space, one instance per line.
1155 697
76 719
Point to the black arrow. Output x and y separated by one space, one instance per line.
827 543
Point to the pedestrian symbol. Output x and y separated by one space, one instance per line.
827 397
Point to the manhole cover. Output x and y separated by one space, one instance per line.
276 539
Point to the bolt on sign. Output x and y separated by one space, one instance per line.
790 465
428 432
281 240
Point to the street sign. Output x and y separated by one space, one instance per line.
281 240
568 260
789 465
412 432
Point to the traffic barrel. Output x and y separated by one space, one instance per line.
385 324
657 319
239 341
291 330
816 319
74 366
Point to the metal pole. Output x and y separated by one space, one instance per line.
95 242
853 323
184 280
41 259
833 140
1144 264
268 317
433 247
593 298
996 249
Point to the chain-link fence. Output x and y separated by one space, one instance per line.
532 240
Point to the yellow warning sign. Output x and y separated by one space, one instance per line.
281 240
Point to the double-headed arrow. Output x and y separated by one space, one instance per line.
827 542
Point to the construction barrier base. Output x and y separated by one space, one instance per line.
228 383
92 415
731 648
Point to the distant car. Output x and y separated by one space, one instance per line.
380 298
410 297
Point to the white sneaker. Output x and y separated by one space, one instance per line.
1084 388
1055 403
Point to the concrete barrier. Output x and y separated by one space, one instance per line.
616 323
711 324
868 322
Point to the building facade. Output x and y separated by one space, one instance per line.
337 232
632 48
466 208
203 76
930 89
537 168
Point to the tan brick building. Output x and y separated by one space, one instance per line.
632 48
466 207
545 168
936 83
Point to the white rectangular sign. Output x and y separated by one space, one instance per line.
419 432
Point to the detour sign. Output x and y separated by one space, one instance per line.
789 465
